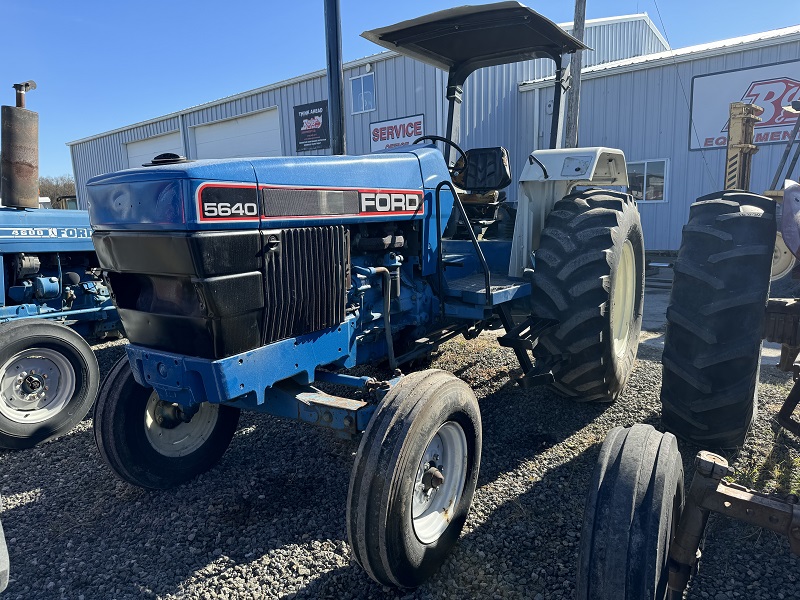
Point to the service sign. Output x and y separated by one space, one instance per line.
311 126
770 87
397 132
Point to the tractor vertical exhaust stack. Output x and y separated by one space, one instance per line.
333 43
19 170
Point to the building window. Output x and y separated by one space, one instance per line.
647 180
363 91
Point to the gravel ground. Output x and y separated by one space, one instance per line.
269 521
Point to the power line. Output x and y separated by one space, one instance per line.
685 95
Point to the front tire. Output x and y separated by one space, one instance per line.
589 276
414 477
715 319
48 381
143 446
632 511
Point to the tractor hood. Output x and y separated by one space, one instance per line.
289 191
214 258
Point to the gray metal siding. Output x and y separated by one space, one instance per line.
493 114
403 87
106 154
646 114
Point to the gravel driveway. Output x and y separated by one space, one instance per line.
269 521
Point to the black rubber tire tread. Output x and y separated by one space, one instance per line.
379 526
4 562
119 433
16 336
633 507
715 319
577 258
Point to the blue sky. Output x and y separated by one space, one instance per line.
100 65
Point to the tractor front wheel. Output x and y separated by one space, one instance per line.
414 477
48 381
589 276
144 439
632 511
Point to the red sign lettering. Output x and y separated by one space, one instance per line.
772 95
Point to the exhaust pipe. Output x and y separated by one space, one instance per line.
19 147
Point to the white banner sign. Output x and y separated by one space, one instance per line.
770 87
397 132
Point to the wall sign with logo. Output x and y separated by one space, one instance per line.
312 127
397 132
770 87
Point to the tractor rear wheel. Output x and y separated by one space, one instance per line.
632 511
144 441
48 381
414 477
715 319
589 276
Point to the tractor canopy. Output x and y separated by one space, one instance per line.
464 39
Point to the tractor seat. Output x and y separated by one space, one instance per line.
482 175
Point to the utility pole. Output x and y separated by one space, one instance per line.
574 97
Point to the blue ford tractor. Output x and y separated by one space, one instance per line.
241 283
51 295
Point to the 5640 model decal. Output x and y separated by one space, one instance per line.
228 202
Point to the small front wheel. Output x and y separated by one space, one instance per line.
48 381
146 441
414 477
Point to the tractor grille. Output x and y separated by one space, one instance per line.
306 278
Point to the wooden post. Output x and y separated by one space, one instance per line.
574 96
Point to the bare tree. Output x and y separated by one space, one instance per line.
53 187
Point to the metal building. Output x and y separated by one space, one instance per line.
638 95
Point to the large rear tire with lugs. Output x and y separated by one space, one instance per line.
715 319
589 276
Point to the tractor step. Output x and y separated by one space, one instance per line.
525 335
431 342
541 373
785 413
522 339
472 289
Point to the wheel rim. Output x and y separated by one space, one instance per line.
35 385
783 260
623 294
434 505
176 438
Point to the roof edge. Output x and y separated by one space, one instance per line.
643 16
740 44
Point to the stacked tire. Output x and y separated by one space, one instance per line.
715 319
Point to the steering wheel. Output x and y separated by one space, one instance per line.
446 142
